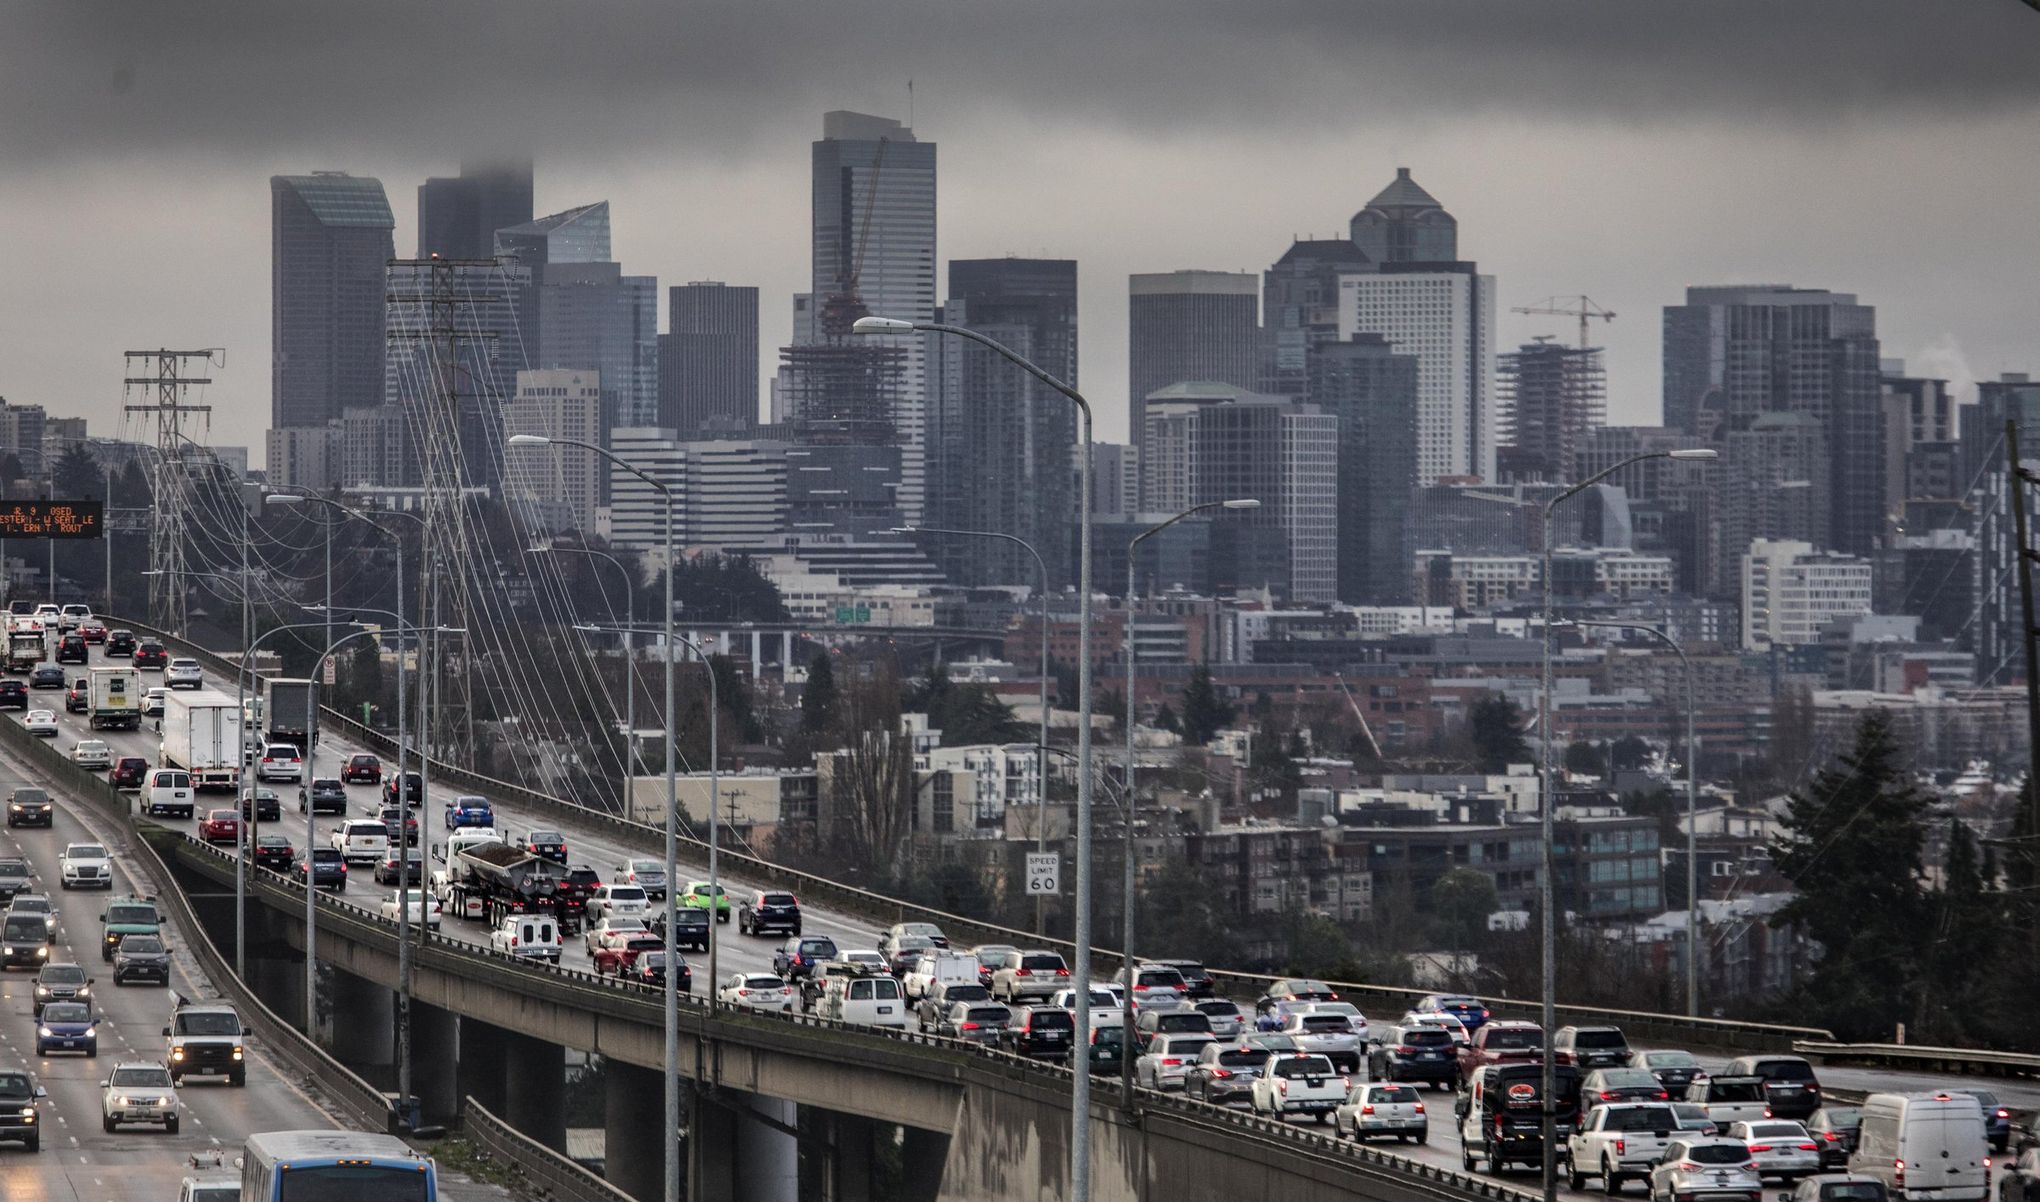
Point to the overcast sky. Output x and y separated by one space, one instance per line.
1619 148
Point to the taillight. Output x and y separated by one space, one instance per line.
1809 1147
1367 1109
1607 1095
2004 1114
1830 1136
968 1027
1171 1061
1282 1084
1663 1096
1621 1145
1898 1169
1760 1147
1062 972
1221 1073
1420 1108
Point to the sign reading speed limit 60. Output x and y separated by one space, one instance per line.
1044 873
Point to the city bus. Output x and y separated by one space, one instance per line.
334 1166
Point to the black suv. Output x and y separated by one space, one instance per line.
798 956
14 878
19 1119
329 869
120 643
1197 981
13 695
141 958
30 806
151 654
1043 1032
412 790
1590 1047
767 912
71 649
692 925
262 806
325 796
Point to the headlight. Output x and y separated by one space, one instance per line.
28 1114
43 952
177 1053
42 991
45 1032
237 1053
84 991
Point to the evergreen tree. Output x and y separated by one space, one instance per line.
1165 719
1204 714
1583 759
1496 727
1969 923
76 475
1852 849
1628 753
818 696
1461 900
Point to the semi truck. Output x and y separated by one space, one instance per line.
114 699
202 735
492 880
290 710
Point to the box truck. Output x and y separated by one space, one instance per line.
202 735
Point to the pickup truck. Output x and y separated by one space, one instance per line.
1619 1142
1293 1083
1500 1043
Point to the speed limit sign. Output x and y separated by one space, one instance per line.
1044 873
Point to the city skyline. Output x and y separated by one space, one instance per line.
1555 198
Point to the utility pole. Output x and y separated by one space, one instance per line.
2024 559
159 379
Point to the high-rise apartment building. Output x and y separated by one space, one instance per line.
1790 591
1190 325
1300 308
1734 354
1169 439
1444 314
1285 454
555 488
24 430
330 236
1372 389
873 252
708 359
1115 477
458 217
999 440
2013 396
1405 224
1552 396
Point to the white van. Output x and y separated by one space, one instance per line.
874 1001
362 839
533 936
169 792
1925 1145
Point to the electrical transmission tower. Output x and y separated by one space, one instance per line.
159 378
443 319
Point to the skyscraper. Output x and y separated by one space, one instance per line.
458 217
555 487
708 363
1444 314
592 317
1300 308
1000 440
1551 397
1372 389
330 235
1405 224
1734 354
578 235
451 367
1189 325
1284 454
873 244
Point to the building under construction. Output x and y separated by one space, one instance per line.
1552 395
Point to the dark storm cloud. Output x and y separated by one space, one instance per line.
589 76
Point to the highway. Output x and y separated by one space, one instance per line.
736 952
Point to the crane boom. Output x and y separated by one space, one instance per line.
1582 307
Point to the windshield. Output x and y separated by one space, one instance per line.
87 851
13 867
1303 1066
990 1014
15 1085
1839 1117
1642 1118
1219 1009
1165 978
1514 1038
1040 962
1629 1078
352 1182
1393 1093
1783 1070
818 947
130 914
1327 1024
1426 1038
1777 1131
208 1023
1603 1038
1044 1019
63 974
1735 1091
1246 1058
147 1078
24 930
1670 1060
1718 1154
67 1012
1852 1191
140 944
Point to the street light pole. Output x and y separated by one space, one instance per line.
1548 892
629 665
1132 798
1692 810
672 996
1080 1068
1041 758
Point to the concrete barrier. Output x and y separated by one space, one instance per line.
547 1175
1971 1062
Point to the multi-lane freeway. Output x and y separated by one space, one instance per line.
736 953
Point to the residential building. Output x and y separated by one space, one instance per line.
1790 591
1371 389
968 790
24 434
304 457
1405 224
999 440
556 487
1477 581
1552 397
1444 314
1115 477
708 360
1189 325
458 217
1165 450
330 236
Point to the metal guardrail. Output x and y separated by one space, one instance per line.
362 1101
547 1175
1967 1061
883 910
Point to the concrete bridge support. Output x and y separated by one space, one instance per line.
481 1069
851 1157
633 1113
711 1149
535 1073
364 1014
768 1156
922 1155
435 1057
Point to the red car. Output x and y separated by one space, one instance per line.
618 956
362 770
220 826
128 772
93 631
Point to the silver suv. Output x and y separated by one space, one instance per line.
1034 973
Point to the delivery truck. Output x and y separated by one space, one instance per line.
202 735
290 707
113 699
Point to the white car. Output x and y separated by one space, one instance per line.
1372 1109
361 840
139 1092
48 614
85 866
152 701
1448 1023
72 616
1106 1009
592 937
280 761
863 960
759 991
184 674
41 723
92 753
1780 1148
618 900
425 908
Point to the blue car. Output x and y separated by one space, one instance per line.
1470 1013
67 1027
469 811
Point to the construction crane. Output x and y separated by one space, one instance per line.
842 308
1582 307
